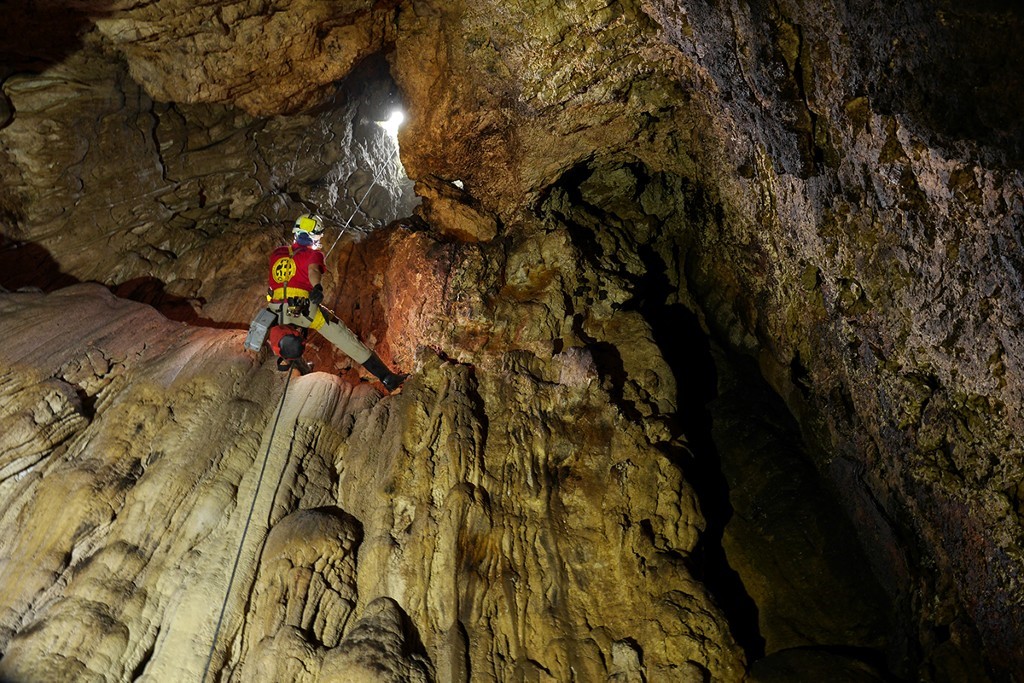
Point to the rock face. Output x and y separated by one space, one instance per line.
104 184
361 500
631 217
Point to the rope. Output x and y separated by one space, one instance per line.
376 178
266 456
245 531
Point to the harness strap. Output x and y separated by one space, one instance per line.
284 289
284 293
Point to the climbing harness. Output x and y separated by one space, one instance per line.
245 530
282 271
268 327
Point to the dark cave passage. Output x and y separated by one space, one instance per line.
687 349
28 265
710 313
778 554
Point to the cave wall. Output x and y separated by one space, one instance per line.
866 245
447 533
833 190
170 202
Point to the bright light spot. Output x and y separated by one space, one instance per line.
393 123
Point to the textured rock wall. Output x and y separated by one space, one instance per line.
882 321
856 233
174 203
463 528
831 189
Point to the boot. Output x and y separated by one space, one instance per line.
376 367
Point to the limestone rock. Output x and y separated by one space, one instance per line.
307 575
376 649
303 597
536 568
298 49
447 209
830 190
140 197
810 590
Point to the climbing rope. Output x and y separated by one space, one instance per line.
376 178
245 531
266 456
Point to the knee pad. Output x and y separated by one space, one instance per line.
318 320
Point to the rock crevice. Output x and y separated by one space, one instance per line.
619 211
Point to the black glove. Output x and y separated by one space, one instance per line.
316 296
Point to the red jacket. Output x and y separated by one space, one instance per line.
289 266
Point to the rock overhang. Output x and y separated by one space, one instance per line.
803 255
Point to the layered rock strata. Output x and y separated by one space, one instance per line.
832 190
460 529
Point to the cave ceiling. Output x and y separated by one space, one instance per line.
611 241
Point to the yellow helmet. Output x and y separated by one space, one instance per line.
310 225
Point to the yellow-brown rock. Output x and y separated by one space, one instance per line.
631 216
263 59
450 211
497 548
